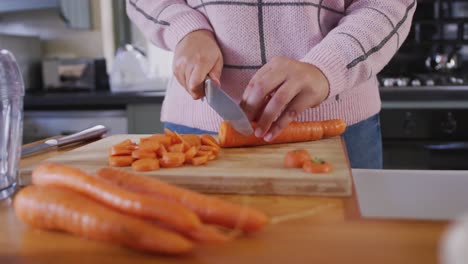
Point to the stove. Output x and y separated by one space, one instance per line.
429 81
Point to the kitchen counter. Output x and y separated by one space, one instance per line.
306 230
96 100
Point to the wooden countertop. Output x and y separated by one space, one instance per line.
306 230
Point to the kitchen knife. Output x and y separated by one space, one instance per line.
86 134
227 108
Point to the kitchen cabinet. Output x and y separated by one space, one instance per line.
77 14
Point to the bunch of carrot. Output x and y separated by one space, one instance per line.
167 150
129 209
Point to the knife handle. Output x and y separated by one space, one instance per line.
89 133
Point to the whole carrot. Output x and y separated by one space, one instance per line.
295 132
170 213
56 208
210 209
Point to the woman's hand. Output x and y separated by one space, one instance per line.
280 91
196 56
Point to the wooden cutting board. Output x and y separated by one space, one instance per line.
254 170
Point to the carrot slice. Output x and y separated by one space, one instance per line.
150 145
204 153
54 208
209 140
174 138
179 148
120 161
143 154
121 150
215 150
199 160
211 157
145 165
170 213
189 154
296 158
191 139
172 160
317 166
210 209
161 151
161 138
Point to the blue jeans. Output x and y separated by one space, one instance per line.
363 141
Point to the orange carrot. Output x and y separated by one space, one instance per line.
172 160
143 154
295 132
54 208
113 196
121 150
210 209
191 139
150 145
189 154
161 151
204 153
333 128
200 160
215 150
174 138
317 166
209 140
120 161
177 148
296 158
145 165
211 157
161 138
208 234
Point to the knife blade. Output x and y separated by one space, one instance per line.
89 133
227 108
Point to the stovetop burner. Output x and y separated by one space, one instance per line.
423 80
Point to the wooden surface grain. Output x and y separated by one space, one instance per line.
303 230
257 170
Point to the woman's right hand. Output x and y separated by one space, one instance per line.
196 56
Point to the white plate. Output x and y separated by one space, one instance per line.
412 194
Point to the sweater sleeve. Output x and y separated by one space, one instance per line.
363 42
166 22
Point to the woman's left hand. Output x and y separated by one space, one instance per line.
280 91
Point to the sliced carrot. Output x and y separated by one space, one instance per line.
161 138
174 138
150 145
189 154
145 165
54 208
172 160
211 157
199 160
209 140
178 148
170 213
296 158
161 151
122 150
120 161
204 153
143 154
317 166
208 234
215 150
294 132
210 209
191 139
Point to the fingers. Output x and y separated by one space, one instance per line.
196 80
215 73
275 106
260 87
297 105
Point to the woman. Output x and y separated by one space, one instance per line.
283 60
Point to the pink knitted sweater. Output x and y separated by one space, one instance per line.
350 41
